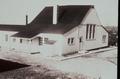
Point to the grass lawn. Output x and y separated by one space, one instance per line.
40 72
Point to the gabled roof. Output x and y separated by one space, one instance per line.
44 17
11 27
68 17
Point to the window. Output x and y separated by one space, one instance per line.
21 40
87 27
80 39
45 40
28 41
40 40
104 38
6 38
49 41
70 41
90 31
93 31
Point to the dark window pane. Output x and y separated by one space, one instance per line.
104 38
20 40
68 40
40 40
87 27
93 31
80 40
72 40
90 31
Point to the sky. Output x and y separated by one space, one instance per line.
14 11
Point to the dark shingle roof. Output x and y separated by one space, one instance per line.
11 27
68 17
45 16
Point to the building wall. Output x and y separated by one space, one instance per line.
4 34
80 31
5 39
13 43
52 49
71 47
97 42
61 45
92 18
35 41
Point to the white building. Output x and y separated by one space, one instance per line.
60 30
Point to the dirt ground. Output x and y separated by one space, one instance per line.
93 66
40 72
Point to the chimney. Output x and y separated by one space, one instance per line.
26 19
55 13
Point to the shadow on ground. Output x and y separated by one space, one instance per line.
8 65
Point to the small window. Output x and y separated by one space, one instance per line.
49 41
87 28
40 40
68 40
72 40
80 40
28 41
104 38
21 40
45 40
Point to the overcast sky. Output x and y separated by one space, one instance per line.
14 11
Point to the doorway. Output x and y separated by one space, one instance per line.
80 43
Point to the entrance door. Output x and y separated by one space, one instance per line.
80 43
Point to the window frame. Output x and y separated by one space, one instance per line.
40 40
87 29
21 40
93 36
90 31
104 37
70 41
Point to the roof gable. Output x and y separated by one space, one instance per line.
68 17
44 17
